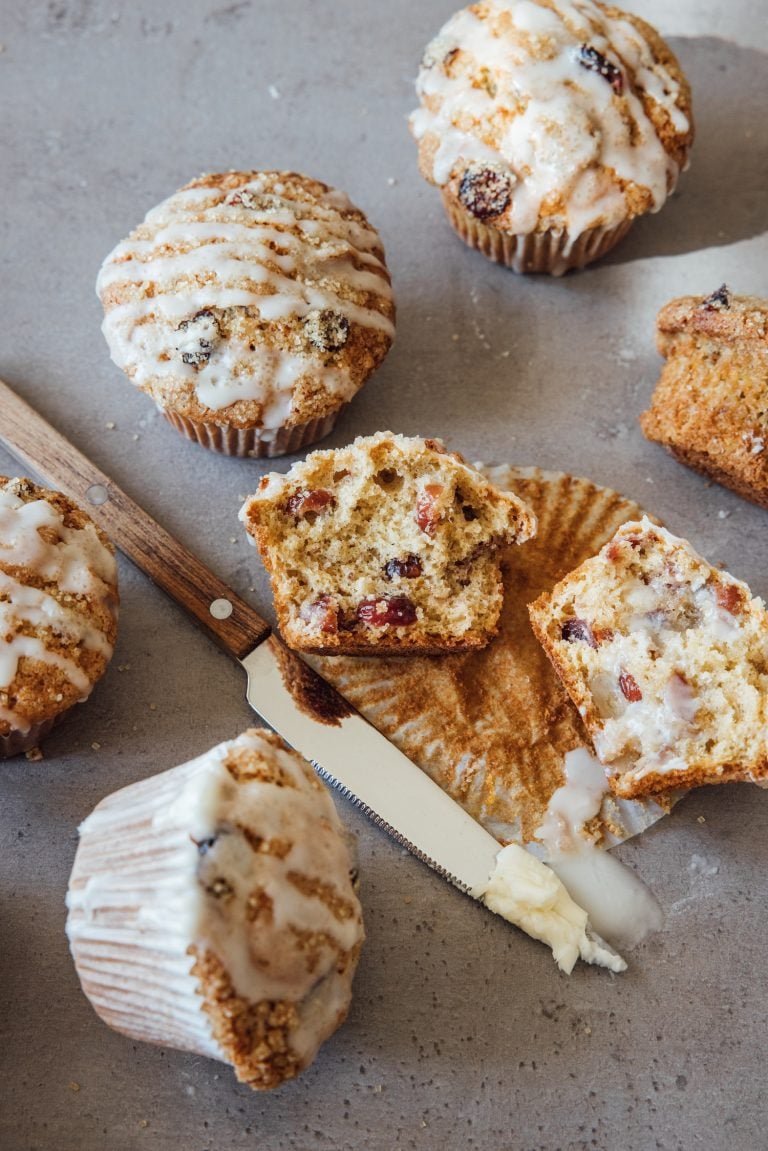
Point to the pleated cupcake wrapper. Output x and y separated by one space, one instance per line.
552 253
133 963
253 443
18 742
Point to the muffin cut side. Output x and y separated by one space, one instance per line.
666 659
392 543
710 406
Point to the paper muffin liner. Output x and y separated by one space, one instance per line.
552 253
129 878
253 443
18 742
451 716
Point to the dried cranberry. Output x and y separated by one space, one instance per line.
407 568
629 687
307 501
326 329
578 630
590 58
719 301
427 514
485 191
202 333
728 597
380 611
322 614
603 635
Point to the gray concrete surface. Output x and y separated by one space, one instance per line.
462 1033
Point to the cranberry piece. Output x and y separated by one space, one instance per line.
603 635
594 61
407 568
322 614
310 501
629 687
485 191
382 611
326 329
427 513
719 301
578 631
728 597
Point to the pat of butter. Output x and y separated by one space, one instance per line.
526 892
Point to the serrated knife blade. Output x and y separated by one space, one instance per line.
365 767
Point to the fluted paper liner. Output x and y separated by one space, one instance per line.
552 252
492 727
253 443
134 967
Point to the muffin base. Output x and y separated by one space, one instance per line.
253 443
551 253
18 742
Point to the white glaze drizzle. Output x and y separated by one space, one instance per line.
565 133
246 260
620 906
78 563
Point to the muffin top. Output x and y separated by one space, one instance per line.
58 604
251 299
549 114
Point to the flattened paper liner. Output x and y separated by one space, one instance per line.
492 727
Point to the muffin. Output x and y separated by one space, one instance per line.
550 127
666 658
58 610
212 909
251 306
392 545
710 406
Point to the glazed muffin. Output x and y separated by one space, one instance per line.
710 406
549 127
666 658
212 909
251 306
58 610
392 545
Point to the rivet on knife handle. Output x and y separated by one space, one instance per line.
232 622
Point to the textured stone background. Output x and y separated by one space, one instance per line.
462 1033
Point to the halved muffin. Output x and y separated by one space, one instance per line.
666 658
389 545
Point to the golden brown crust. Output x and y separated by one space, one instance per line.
41 692
710 405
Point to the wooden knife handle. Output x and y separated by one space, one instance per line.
234 625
